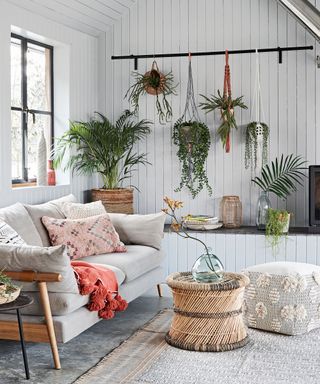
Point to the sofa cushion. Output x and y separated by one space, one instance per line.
37 211
9 236
84 237
18 218
64 199
40 259
120 275
140 229
81 211
135 262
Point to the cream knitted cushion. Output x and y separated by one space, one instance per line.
82 211
283 297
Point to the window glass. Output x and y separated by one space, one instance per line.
16 73
16 145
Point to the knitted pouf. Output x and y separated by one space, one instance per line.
283 297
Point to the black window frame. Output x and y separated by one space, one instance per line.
25 111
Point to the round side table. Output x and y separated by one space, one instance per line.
207 316
21 302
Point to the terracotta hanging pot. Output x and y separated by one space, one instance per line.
156 78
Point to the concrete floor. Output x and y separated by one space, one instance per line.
81 353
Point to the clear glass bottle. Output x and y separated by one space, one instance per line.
263 205
207 268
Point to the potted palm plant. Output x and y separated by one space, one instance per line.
279 178
99 146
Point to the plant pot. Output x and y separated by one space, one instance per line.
155 73
6 298
118 200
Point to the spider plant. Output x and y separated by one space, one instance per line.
282 176
6 283
155 83
99 146
226 105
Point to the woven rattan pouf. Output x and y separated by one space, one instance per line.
207 317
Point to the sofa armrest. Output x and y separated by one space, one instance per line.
30 276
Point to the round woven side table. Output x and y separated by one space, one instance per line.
207 316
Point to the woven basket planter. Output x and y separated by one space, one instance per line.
207 317
119 200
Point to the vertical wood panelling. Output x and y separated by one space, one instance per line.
83 95
290 93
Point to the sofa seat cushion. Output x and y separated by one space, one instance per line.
18 218
120 275
138 260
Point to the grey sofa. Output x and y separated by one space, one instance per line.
137 271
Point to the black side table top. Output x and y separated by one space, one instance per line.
21 302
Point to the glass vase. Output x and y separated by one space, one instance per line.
207 268
263 205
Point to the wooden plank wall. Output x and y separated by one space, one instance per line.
291 92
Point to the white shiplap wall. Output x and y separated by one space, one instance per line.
291 92
83 94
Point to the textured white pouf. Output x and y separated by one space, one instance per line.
283 297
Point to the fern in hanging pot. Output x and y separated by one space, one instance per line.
154 83
193 141
226 104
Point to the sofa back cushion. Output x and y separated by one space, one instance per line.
40 259
36 212
84 237
18 218
140 229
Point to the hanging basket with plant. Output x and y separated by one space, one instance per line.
154 83
226 105
192 137
257 132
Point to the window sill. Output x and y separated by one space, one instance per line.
34 186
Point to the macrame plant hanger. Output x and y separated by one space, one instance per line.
227 93
258 116
190 113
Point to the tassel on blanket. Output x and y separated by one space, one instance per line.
102 285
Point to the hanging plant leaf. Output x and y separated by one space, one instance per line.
193 141
154 83
254 131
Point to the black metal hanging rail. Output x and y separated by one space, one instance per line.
212 53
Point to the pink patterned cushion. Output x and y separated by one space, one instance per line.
84 237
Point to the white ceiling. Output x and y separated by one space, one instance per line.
89 16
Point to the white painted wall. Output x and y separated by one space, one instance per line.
291 92
79 69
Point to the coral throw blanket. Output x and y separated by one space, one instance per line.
102 286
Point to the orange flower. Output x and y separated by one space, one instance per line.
165 210
176 227
169 202
178 204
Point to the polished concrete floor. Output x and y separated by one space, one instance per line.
81 353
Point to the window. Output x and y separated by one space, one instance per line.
31 104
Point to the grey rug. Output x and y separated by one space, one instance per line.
269 358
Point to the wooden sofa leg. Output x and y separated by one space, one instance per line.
44 297
159 290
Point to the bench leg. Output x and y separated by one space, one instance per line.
44 297
159 290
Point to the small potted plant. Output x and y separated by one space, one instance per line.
193 141
154 83
256 133
279 178
99 146
8 291
277 225
226 105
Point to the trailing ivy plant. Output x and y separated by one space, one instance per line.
255 129
226 105
155 83
277 221
193 141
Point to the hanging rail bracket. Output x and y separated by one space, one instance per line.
280 50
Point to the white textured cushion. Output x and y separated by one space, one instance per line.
36 212
285 268
40 259
18 218
8 235
139 229
82 211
